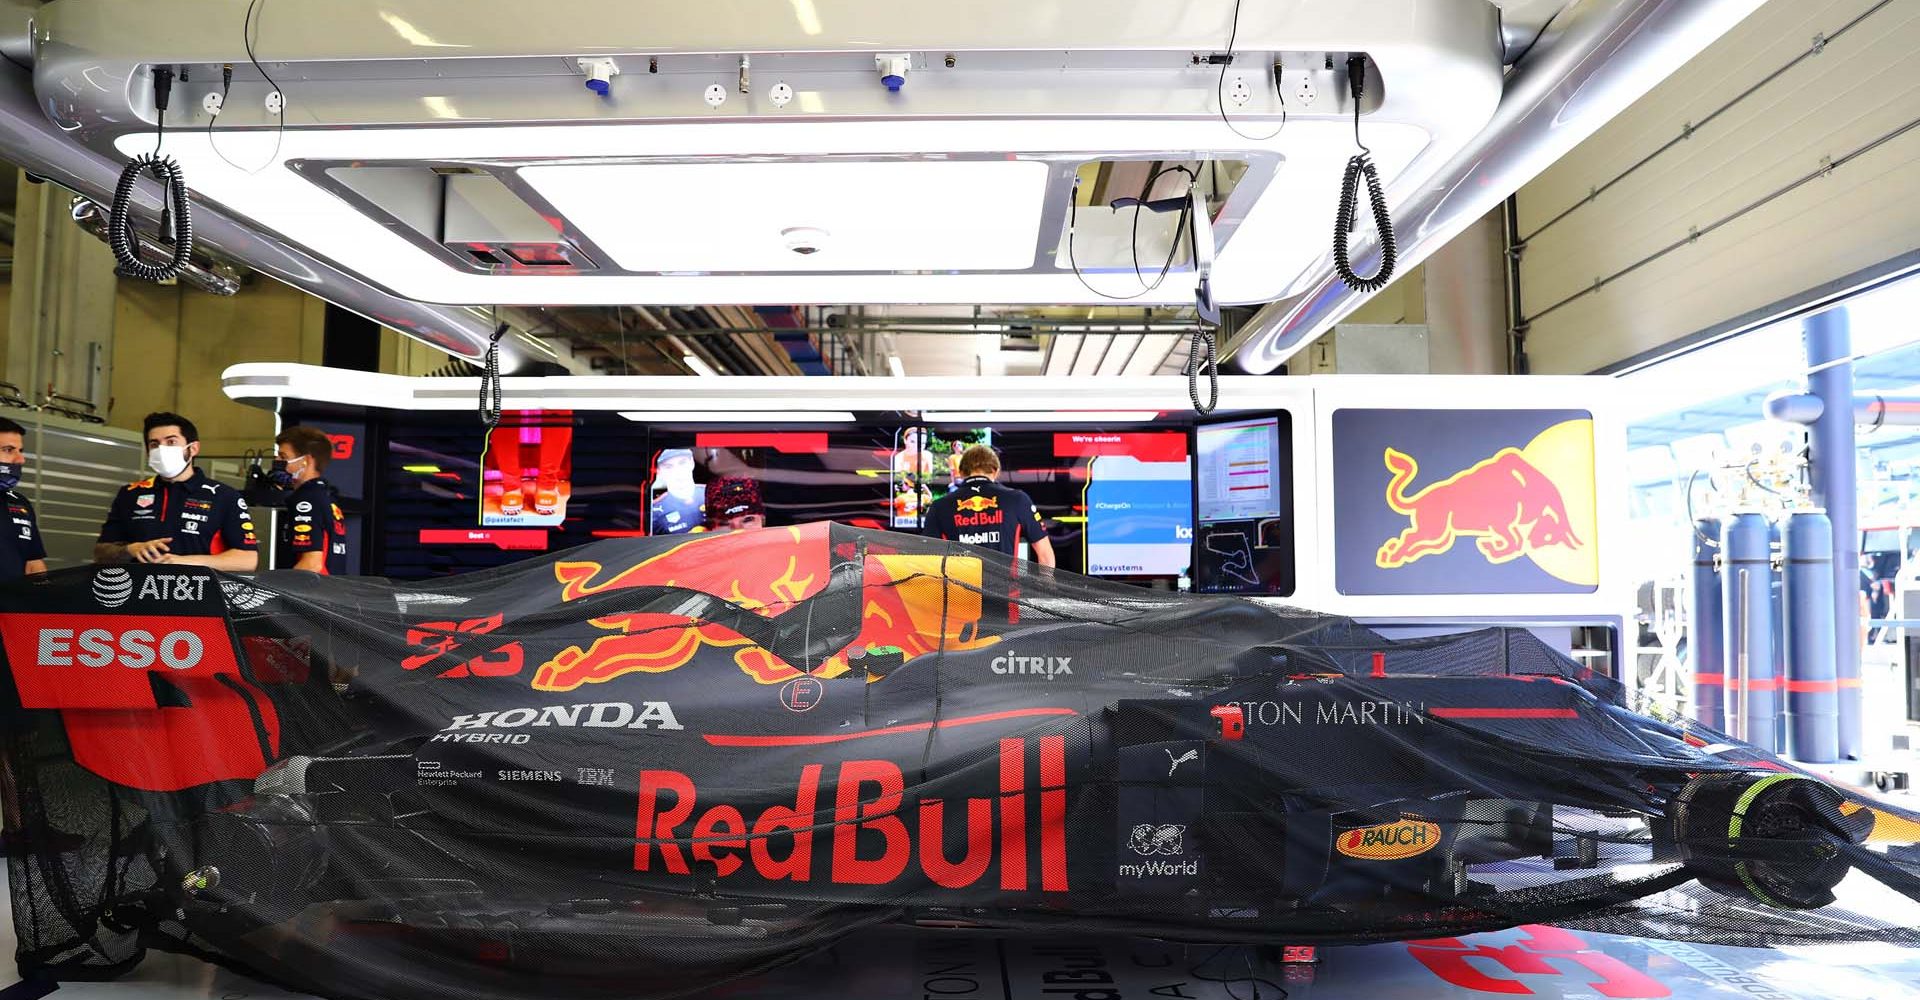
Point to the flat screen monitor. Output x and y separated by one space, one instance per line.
792 476
445 478
1116 503
1239 469
1243 535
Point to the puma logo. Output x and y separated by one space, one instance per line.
1175 762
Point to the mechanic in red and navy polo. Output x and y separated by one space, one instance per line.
314 532
178 515
22 552
982 512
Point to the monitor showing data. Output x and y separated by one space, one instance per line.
1243 532
1239 466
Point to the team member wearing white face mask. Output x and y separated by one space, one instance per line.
178 515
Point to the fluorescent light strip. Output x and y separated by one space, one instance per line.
1093 352
699 367
541 345
1121 353
1062 352
1152 353
1040 416
739 416
893 365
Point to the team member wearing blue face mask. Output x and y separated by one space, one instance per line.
178 515
314 532
21 550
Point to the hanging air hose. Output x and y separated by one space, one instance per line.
490 395
176 219
1359 166
1203 358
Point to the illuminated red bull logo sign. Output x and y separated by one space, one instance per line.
915 603
1513 490
1506 504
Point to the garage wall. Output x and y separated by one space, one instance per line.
402 355
157 347
171 342
1863 87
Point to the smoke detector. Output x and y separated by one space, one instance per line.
805 240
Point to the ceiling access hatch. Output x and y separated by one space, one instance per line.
453 154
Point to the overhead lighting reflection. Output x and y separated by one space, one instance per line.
808 17
412 35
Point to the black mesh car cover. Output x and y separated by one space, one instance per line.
644 767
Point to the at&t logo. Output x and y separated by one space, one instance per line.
112 587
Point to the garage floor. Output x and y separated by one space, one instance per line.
959 965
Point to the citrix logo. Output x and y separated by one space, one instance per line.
1041 666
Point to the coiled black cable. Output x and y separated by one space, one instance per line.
1203 356
490 381
176 219
1361 165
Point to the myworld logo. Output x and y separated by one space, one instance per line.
1037 666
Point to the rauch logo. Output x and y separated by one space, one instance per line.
1390 841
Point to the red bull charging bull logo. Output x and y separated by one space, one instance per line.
906 602
1536 501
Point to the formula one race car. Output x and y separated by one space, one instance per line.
648 766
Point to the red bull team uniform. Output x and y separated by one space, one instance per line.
20 541
981 512
315 524
203 517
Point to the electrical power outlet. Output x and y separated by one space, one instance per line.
716 95
1306 92
275 103
212 103
1239 91
781 95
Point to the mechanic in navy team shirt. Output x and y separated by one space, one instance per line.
980 511
314 532
178 515
21 550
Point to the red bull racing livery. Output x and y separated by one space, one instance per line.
647 766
